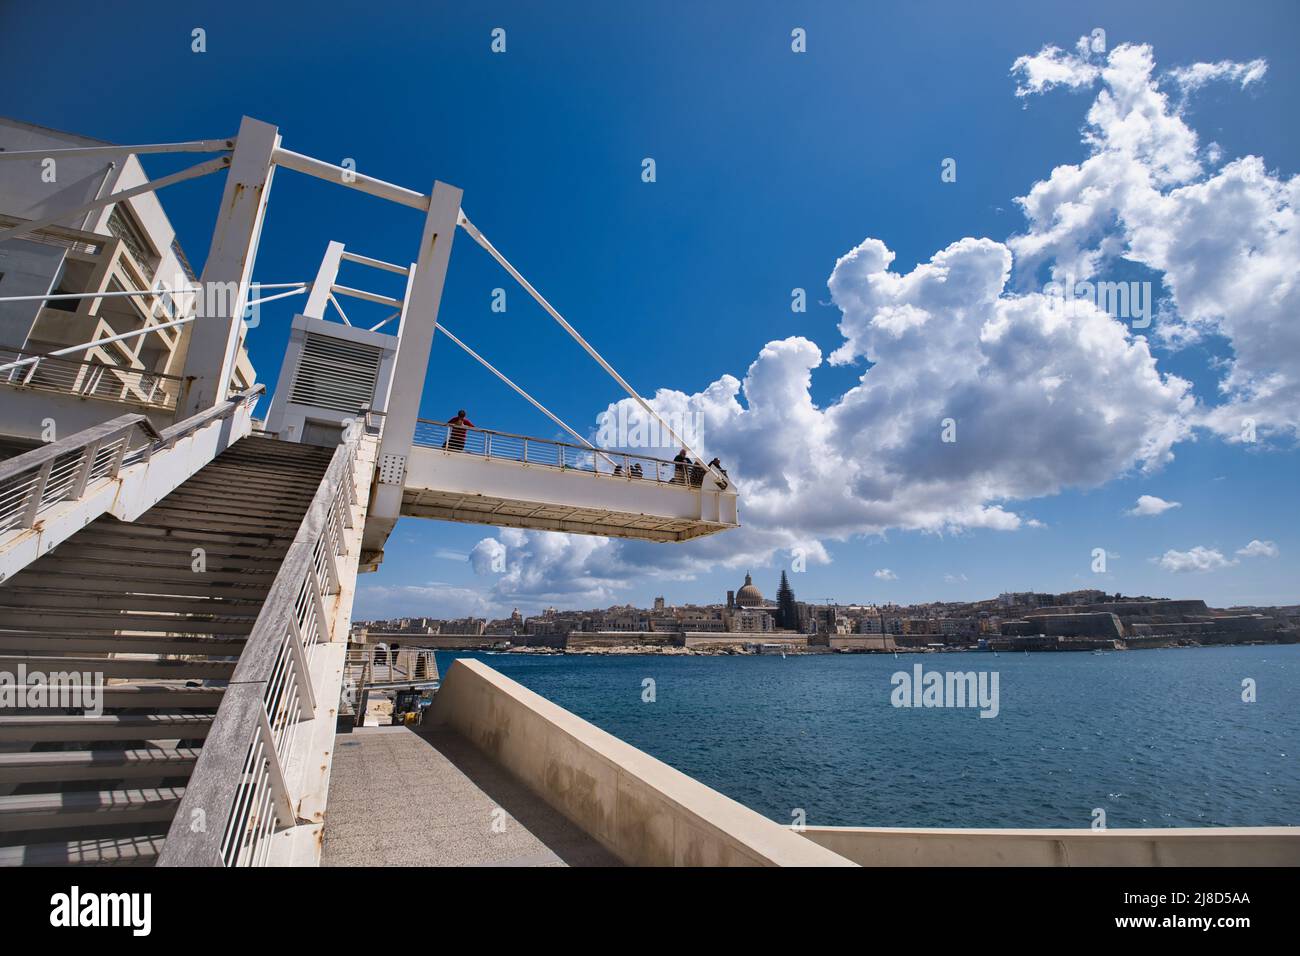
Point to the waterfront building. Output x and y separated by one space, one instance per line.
871 624
752 621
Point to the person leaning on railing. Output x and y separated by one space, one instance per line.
681 464
456 431
716 465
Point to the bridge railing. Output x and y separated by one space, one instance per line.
239 786
548 453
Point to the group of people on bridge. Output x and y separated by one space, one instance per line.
685 471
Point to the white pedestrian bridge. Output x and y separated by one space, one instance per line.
484 476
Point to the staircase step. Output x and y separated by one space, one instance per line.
53 765
138 534
130 668
43 811
167 515
78 729
229 477
87 546
124 594
232 488
106 622
54 644
204 503
108 851
168 697
68 572
264 473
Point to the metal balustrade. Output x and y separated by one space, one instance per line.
88 378
372 665
64 472
239 785
384 667
544 452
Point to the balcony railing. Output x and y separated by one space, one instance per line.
88 378
544 452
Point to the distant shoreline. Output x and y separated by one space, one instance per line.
653 650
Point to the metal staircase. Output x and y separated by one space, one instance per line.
161 609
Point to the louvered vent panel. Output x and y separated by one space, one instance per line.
336 374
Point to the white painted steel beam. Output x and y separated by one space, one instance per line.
215 338
325 276
375 263
193 172
419 320
193 146
351 178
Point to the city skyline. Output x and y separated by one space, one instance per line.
663 604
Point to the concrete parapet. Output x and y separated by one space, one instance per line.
1173 846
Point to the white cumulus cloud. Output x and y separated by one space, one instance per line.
1226 246
1151 505
885 574
1259 549
1037 401
1198 558
1198 74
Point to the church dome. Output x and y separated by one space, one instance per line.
748 595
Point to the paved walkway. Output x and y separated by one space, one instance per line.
402 798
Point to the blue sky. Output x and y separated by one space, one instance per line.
771 165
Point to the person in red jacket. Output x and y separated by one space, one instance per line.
456 435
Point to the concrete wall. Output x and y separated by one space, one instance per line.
1084 624
862 642
26 268
577 640
1208 846
641 809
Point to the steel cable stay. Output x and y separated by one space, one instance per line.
482 240
535 403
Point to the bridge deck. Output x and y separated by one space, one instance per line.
416 797
485 477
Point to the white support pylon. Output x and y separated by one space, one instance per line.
418 322
326 276
223 289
